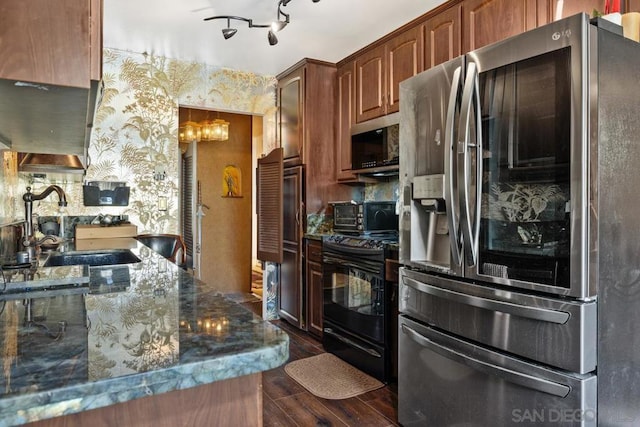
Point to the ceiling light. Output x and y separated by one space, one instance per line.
190 132
220 130
275 26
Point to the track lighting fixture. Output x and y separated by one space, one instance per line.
282 19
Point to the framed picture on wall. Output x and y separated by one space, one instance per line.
231 181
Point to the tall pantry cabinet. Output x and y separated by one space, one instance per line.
306 131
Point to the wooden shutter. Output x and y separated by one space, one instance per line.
269 205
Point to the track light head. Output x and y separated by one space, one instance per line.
227 33
273 40
278 25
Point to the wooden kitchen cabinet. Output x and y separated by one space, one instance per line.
547 9
442 37
370 84
290 292
314 286
290 116
631 5
57 43
345 119
488 21
307 127
306 111
306 130
380 70
404 59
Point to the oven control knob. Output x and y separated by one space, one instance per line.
359 220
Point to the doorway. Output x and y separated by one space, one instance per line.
217 200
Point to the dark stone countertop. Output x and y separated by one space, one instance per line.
136 330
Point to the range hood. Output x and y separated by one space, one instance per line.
56 168
48 163
48 120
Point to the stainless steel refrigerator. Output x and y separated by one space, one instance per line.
520 233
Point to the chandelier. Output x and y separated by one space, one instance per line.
282 19
206 130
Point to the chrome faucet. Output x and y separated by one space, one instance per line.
28 197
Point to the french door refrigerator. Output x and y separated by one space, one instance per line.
519 233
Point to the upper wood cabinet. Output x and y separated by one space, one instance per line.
57 43
552 10
345 118
306 128
442 37
380 70
290 115
404 59
631 5
370 84
489 21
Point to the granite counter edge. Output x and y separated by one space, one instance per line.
83 397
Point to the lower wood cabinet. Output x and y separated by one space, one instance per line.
291 291
313 280
290 305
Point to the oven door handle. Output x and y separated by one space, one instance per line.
344 263
515 377
351 342
536 313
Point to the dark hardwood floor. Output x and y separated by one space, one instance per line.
286 403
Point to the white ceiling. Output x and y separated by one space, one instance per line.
328 30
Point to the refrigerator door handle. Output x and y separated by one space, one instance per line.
528 381
535 313
453 217
470 232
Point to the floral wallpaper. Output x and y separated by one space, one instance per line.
135 133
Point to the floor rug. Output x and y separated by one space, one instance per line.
330 377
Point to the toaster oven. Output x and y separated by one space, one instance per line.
365 217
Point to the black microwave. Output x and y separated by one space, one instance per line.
365 217
375 144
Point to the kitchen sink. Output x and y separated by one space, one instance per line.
91 258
